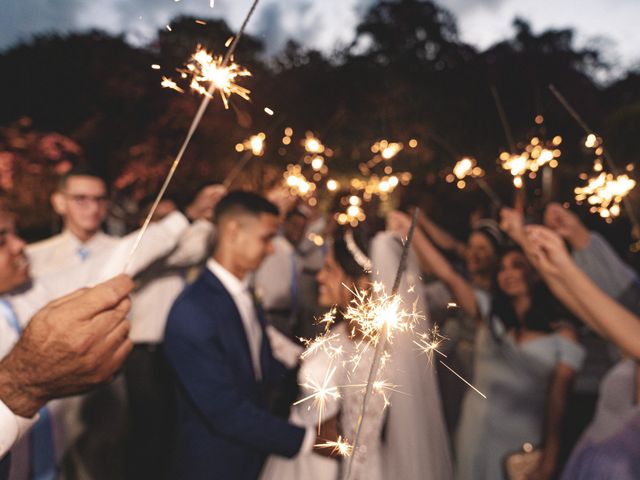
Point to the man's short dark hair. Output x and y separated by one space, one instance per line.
243 202
294 212
79 172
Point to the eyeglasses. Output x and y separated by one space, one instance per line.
85 200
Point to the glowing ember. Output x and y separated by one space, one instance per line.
604 193
340 447
206 70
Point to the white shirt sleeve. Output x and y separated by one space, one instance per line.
12 427
159 240
193 246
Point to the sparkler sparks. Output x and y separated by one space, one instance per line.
297 183
340 447
604 193
353 213
321 392
430 343
255 143
208 70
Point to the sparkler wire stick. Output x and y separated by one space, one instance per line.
192 129
503 119
382 338
610 163
493 196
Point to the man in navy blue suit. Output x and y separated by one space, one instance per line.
216 344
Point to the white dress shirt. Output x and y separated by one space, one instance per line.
158 286
276 295
239 291
65 250
160 239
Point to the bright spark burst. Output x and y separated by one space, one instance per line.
255 143
206 70
368 315
321 393
341 447
168 83
312 144
537 153
429 343
297 183
604 193
353 213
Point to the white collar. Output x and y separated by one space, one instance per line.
233 284
76 242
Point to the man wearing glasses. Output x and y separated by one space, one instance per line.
81 200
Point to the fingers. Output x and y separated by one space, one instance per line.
71 296
102 297
105 322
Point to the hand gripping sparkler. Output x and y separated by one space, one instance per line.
382 340
192 129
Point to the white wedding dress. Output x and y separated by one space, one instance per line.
314 370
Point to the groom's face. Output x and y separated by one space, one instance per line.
253 241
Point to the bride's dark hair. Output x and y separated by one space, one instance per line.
344 255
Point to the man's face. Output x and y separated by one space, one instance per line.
294 228
82 204
14 266
252 238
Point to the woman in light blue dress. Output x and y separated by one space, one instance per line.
524 362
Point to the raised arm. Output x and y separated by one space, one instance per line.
440 237
589 302
434 262
556 407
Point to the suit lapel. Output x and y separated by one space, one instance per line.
233 324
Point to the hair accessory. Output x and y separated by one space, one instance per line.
358 255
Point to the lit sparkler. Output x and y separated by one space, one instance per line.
604 193
297 183
211 73
385 323
340 447
353 213
255 144
468 167
192 128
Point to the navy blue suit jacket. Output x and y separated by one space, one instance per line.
224 430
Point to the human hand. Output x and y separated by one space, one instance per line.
566 224
546 250
72 344
512 223
205 201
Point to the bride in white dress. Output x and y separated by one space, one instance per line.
340 414
416 445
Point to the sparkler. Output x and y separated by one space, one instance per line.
297 183
468 167
353 213
208 70
194 125
340 447
381 340
594 141
604 193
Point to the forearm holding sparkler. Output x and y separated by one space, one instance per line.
594 307
440 237
433 261
559 390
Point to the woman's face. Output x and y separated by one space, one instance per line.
332 280
481 256
513 273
